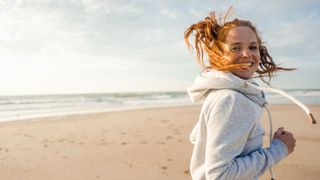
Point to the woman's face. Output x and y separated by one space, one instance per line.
242 47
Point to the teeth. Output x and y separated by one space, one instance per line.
250 64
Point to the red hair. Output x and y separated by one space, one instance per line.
211 33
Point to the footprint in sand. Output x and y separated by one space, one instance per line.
169 137
103 144
187 172
104 130
65 157
176 131
164 167
143 142
129 164
5 150
180 140
47 141
164 121
61 140
160 142
24 135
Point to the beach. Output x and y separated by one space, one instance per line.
149 143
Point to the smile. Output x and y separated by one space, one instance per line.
249 64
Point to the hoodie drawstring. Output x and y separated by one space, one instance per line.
270 137
278 91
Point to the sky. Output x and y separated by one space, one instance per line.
104 46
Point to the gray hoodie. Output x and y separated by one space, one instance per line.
228 136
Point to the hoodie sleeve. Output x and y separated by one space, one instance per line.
230 121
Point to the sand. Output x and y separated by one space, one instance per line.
140 144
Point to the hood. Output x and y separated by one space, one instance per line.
215 80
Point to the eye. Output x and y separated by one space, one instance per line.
235 49
253 48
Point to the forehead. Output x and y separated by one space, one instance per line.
241 34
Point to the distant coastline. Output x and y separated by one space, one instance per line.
30 106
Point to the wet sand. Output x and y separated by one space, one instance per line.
134 144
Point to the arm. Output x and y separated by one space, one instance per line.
229 123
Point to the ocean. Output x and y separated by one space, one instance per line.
25 107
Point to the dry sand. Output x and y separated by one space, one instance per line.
146 144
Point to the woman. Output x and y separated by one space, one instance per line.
228 136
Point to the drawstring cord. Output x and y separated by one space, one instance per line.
270 137
304 107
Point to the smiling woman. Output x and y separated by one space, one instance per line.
228 137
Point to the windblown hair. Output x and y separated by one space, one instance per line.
211 33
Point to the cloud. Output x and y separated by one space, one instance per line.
138 41
295 38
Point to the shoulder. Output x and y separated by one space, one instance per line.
227 96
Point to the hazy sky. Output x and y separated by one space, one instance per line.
89 46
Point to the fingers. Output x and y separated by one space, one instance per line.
280 131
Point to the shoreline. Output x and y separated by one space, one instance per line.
117 109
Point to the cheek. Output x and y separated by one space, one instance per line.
256 56
233 58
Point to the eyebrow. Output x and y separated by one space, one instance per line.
238 43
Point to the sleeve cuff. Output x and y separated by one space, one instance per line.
280 149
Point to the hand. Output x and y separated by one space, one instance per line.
287 138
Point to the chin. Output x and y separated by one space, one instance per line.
243 75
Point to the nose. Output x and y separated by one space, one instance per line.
246 53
